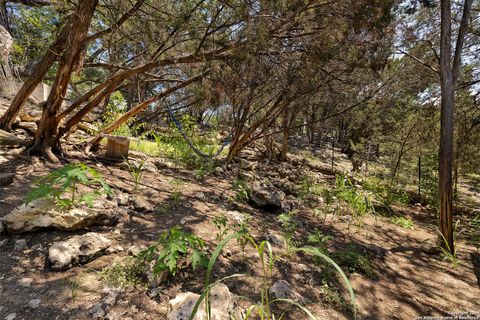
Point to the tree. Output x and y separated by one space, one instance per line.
449 71
76 36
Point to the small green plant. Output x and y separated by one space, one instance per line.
220 223
243 230
445 247
359 203
176 187
319 240
127 273
354 259
242 190
289 226
386 193
135 171
66 180
73 285
406 223
309 188
174 250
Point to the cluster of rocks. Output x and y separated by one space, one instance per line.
41 214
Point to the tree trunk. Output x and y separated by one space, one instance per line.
6 43
446 131
48 125
40 69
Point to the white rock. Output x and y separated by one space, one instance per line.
34 303
41 213
220 301
25 282
11 316
20 244
77 250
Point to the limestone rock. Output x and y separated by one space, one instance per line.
20 244
141 204
8 139
264 197
77 250
34 303
221 300
281 290
277 240
41 213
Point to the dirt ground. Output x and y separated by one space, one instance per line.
407 281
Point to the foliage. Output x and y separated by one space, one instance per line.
127 273
318 239
220 222
174 250
403 222
429 179
445 247
242 190
73 285
289 226
136 171
267 260
66 180
354 259
359 203
385 192
176 187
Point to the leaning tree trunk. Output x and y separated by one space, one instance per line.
6 43
48 125
39 71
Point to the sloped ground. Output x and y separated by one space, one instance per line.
405 280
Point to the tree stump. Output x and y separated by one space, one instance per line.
117 147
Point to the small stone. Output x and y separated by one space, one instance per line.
25 282
218 171
122 199
281 290
97 311
11 316
277 240
135 250
142 205
34 303
20 244
200 195
3 242
2 227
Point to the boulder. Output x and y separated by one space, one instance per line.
77 250
41 214
221 302
265 197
